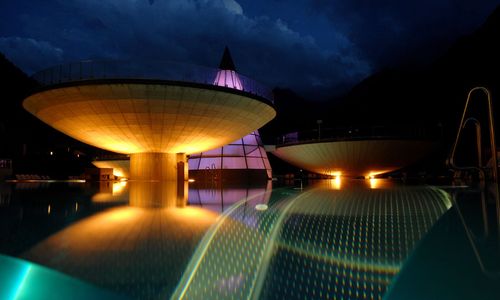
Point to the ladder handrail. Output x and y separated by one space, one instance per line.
491 127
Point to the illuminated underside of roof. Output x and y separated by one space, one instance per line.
355 158
138 118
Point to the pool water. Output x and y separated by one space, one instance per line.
349 239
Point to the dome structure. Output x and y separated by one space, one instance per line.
240 160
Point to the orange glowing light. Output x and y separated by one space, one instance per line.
118 187
374 182
117 173
120 214
221 116
337 183
199 215
336 174
190 212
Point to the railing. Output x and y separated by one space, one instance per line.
147 70
480 167
361 133
491 128
112 156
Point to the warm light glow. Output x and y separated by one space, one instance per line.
191 180
196 215
374 183
354 158
189 120
48 210
118 187
76 206
191 212
120 214
51 153
120 167
373 174
337 183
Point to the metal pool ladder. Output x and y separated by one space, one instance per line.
491 128
493 273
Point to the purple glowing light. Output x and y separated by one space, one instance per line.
228 78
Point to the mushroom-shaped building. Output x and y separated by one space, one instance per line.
157 113
354 153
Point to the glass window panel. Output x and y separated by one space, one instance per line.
233 150
255 163
234 163
233 195
266 163
250 140
193 196
195 155
263 152
212 152
252 151
193 163
210 163
209 196
258 193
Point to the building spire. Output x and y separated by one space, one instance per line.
226 62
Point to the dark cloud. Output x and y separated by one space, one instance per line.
265 48
317 48
390 32
30 54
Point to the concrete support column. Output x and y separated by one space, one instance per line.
153 166
158 179
157 194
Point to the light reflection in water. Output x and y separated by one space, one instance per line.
340 183
142 248
353 238
319 243
118 187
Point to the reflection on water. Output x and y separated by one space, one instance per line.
218 199
340 183
324 242
131 237
338 239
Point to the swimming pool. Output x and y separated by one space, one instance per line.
349 239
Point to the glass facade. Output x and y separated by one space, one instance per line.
246 153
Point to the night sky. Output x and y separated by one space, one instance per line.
319 48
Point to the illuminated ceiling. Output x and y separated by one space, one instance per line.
355 158
138 118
